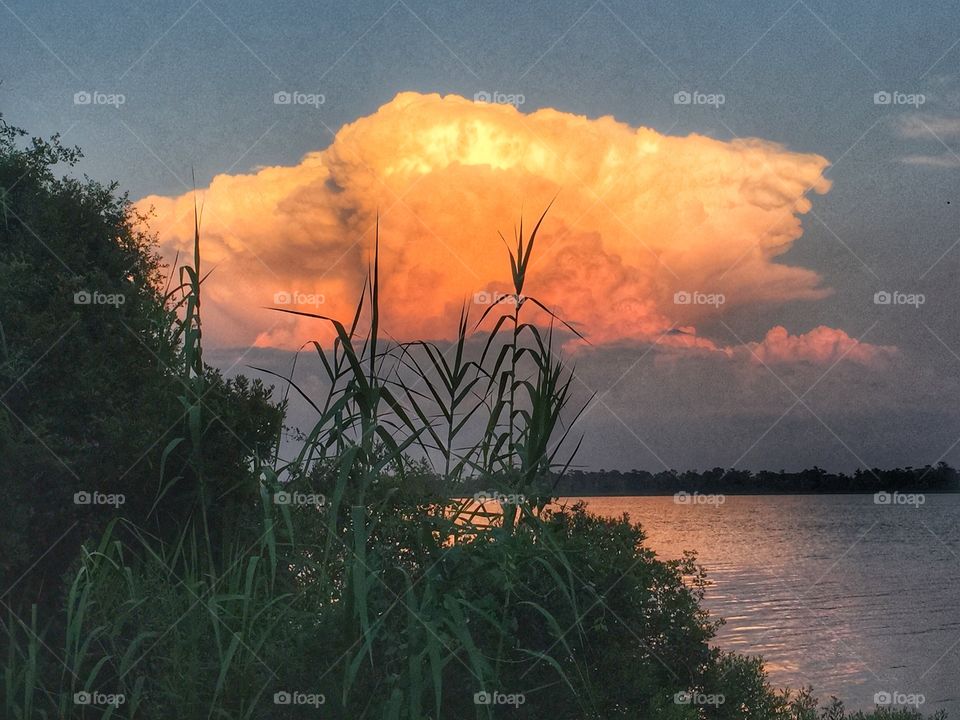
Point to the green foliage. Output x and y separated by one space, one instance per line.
89 393
928 479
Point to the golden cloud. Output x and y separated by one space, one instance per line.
639 217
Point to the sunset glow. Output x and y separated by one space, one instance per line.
639 218
410 360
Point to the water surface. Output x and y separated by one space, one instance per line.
833 591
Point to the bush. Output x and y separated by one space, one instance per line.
91 392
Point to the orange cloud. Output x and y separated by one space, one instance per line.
639 217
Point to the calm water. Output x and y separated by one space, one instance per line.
834 591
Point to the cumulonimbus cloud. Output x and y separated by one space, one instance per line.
639 219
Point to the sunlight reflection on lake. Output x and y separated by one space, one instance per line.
834 591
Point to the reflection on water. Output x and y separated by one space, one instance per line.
834 591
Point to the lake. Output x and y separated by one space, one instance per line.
834 591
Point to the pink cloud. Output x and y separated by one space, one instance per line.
822 346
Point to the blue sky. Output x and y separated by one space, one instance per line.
195 73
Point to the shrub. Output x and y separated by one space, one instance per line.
89 393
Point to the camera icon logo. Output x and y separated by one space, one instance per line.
882 698
482 96
282 298
682 98
482 698
82 498
882 498
882 297
682 297
82 297
82 98
683 698
282 698
282 98
282 498
882 98
82 698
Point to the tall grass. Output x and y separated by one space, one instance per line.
386 401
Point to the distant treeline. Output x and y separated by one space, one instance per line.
930 478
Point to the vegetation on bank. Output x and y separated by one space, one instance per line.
927 479
230 585
574 482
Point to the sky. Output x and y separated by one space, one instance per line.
756 221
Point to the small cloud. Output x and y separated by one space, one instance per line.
821 346
946 160
930 127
